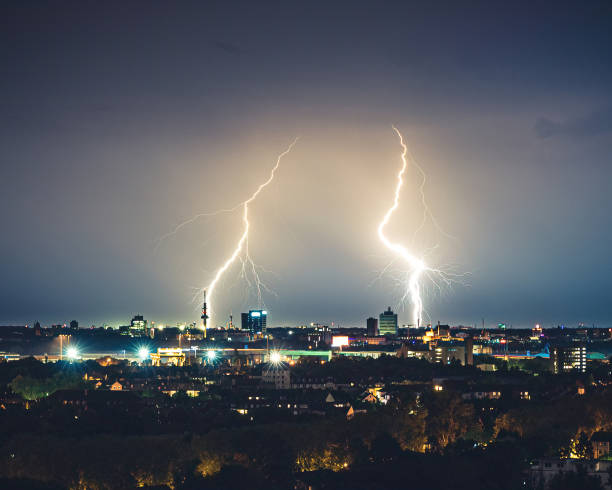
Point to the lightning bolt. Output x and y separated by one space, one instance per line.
193 219
417 266
248 266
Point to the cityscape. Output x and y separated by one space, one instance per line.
306 246
369 397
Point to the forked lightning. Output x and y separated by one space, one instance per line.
417 265
243 244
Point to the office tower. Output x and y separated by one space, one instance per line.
138 326
387 323
255 321
371 327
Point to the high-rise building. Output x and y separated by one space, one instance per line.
568 358
371 327
387 322
138 326
255 321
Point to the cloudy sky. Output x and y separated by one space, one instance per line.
119 120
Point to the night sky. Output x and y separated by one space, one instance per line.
121 119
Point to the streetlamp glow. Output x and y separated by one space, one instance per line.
143 354
275 357
211 355
72 353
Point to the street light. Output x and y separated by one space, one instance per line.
275 357
143 354
72 353
211 355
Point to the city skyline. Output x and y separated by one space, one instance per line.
122 123
305 245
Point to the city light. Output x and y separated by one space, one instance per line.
211 355
143 354
340 340
72 353
275 357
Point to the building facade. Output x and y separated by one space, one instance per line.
371 327
280 378
568 358
448 353
543 470
387 322
138 326
255 321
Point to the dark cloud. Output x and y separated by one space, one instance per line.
595 123
228 48
122 119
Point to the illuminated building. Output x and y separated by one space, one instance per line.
371 327
387 322
446 353
482 349
255 321
8 356
138 326
321 336
568 358
168 357
340 341
405 352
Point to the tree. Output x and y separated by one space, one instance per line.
409 428
385 448
581 447
448 417
31 388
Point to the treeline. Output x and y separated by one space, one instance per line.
560 427
432 440
387 368
272 453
